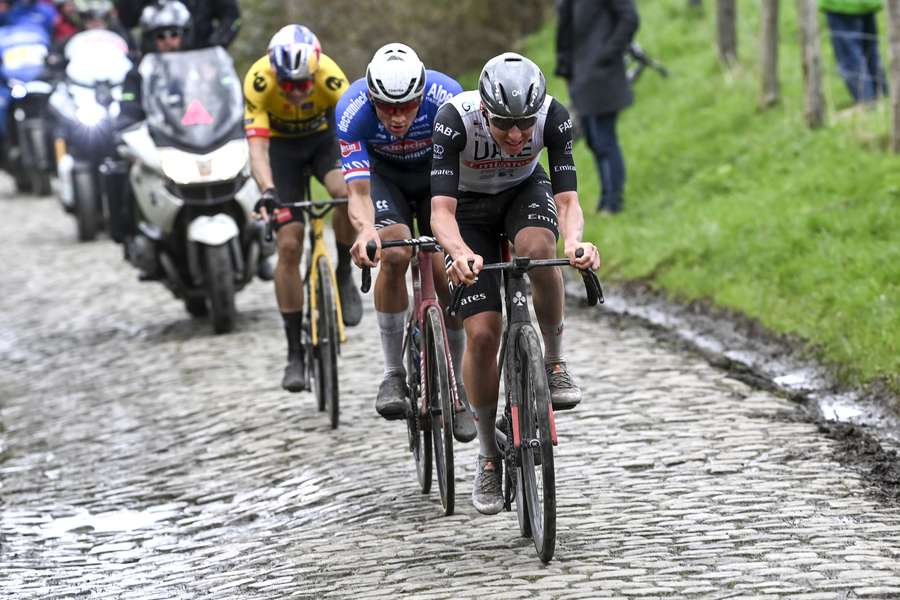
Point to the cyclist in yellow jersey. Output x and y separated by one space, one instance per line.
290 96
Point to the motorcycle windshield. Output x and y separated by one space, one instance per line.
193 100
97 56
23 51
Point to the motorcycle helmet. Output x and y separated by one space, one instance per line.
168 14
94 9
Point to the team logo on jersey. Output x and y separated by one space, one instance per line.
334 83
259 82
438 151
568 149
349 148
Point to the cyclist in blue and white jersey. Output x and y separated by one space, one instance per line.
384 126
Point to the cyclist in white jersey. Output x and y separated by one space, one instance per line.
486 182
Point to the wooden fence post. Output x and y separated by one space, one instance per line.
808 24
769 91
726 27
893 27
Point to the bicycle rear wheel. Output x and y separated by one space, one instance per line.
440 407
326 348
415 426
537 479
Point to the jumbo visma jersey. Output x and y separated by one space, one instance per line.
267 112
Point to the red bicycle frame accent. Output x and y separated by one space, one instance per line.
424 297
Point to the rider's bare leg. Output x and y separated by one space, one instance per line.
288 281
481 375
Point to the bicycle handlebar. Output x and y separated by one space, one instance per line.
317 210
423 241
522 264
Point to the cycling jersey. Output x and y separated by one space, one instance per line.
467 159
267 112
362 135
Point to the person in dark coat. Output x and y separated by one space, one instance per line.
213 22
591 41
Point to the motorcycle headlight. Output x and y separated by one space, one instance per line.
90 115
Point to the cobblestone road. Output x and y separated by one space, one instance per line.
143 458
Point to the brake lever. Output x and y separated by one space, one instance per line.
591 283
455 300
366 284
456 295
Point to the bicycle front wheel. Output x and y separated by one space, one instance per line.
416 427
536 470
440 406
326 347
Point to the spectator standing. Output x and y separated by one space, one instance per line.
591 40
854 38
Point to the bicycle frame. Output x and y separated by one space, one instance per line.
424 297
316 213
517 316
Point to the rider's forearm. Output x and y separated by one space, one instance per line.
571 217
259 163
445 228
360 207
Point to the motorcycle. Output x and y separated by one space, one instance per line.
86 104
191 180
23 52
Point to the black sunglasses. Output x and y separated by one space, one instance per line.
507 123
168 33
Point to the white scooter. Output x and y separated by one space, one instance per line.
86 104
190 176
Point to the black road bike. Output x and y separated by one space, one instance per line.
527 429
433 399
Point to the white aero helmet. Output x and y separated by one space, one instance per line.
395 74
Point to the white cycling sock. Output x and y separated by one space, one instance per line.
391 327
485 423
456 339
553 344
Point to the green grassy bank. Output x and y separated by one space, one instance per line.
749 209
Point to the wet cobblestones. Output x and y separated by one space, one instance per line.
143 457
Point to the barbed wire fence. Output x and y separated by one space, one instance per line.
822 82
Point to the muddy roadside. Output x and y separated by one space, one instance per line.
863 422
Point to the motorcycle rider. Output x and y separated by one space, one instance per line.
213 22
18 12
12 13
67 21
166 23
290 95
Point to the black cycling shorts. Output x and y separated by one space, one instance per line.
291 159
401 194
484 218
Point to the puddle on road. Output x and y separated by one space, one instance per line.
108 522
